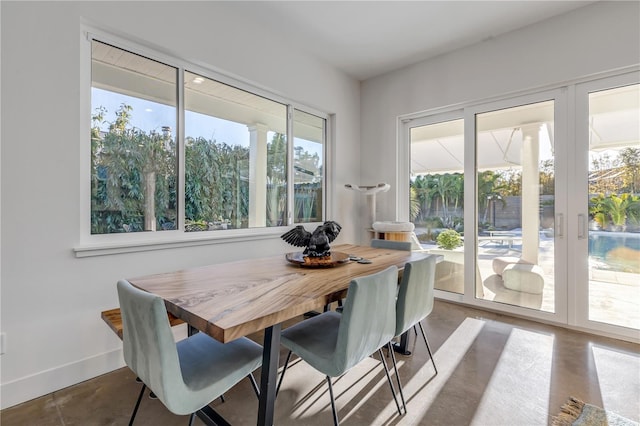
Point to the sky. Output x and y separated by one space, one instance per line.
152 116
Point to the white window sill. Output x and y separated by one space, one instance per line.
101 245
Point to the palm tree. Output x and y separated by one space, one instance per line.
423 187
414 204
443 187
613 211
457 191
489 191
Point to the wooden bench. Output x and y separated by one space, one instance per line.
113 318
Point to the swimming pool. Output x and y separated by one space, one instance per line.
618 251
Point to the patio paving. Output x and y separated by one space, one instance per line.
614 297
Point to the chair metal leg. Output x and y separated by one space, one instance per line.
284 369
395 367
151 394
191 417
336 422
254 384
222 398
386 372
428 347
135 410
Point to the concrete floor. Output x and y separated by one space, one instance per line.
493 370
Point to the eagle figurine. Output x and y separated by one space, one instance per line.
316 244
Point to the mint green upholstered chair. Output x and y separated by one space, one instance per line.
391 244
187 375
387 244
415 303
332 343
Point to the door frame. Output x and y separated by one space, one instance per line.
559 97
468 114
571 274
579 257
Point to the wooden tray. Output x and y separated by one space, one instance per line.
337 258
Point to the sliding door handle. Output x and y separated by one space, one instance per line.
582 227
560 225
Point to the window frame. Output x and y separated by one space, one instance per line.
114 243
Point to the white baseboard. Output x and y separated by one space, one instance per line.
42 383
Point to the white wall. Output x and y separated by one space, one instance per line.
600 37
51 300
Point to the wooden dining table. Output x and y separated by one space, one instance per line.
235 299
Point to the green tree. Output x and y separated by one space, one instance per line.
276 179
491 189
630 159
423 188
447 188
510 182
216 183
132 177
612 212
134 185
603 177
547 177
414 204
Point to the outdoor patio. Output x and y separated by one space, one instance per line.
613 296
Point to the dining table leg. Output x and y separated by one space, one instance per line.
269 375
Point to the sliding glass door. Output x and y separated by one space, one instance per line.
487 194
437 193
534 202
608 211
519 241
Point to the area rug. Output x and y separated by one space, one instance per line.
577 413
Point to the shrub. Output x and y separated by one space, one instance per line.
449 239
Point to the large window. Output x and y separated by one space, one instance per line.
177 150
133 151
235 157
308 151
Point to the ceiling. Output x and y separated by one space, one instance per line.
369 38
